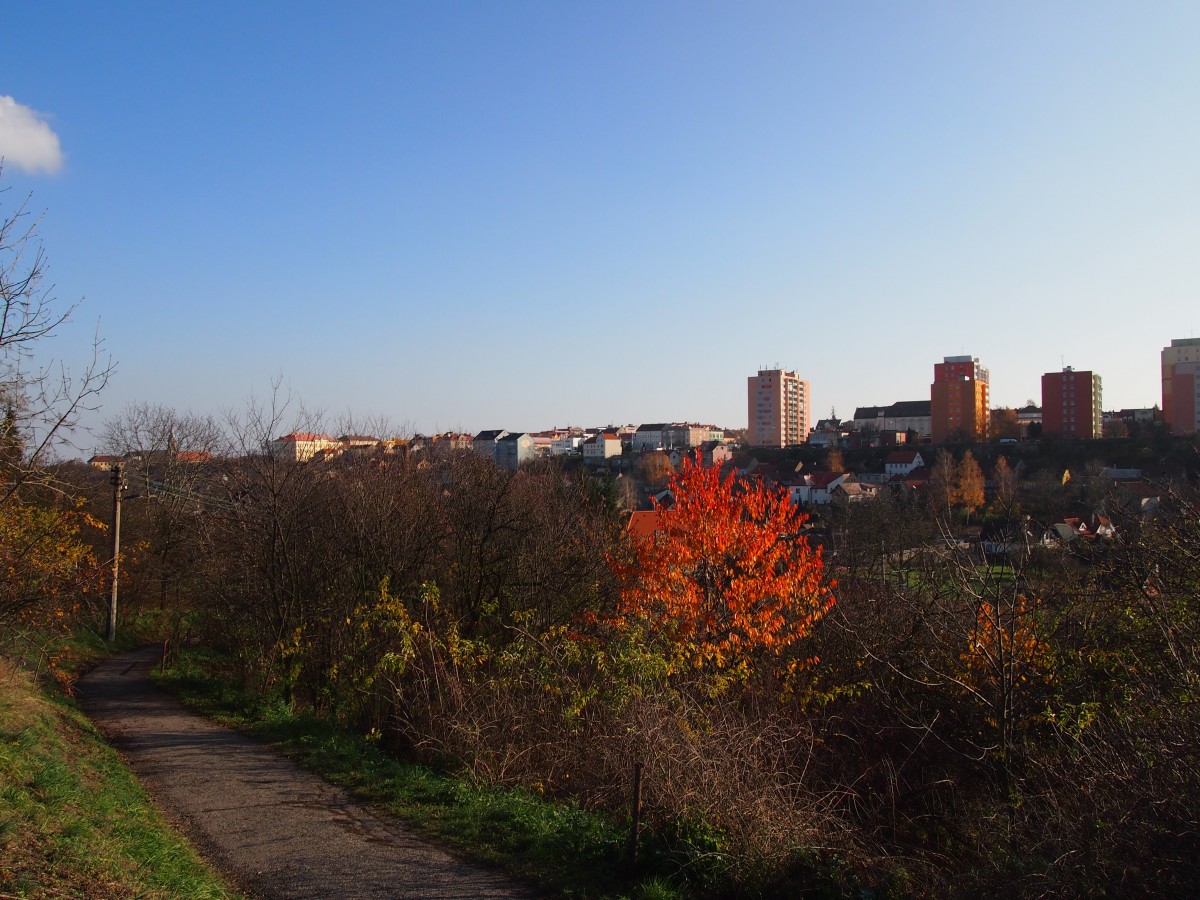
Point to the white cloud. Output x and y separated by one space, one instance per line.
25 140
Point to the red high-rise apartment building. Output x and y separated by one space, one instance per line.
779 404
958 397
1071 404
1181 386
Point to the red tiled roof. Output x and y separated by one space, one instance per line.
822 479
643 523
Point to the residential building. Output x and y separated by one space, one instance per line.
485 442
452 440
512 450
651 436
779 405
816 488
1181 386
1030 414
872 477
436 443
1142 416
715 453
686 435
901 462
1071 404
827 433
301 446
854 491
1128 422
601 447
958 404
567 445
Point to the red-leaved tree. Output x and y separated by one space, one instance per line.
727 573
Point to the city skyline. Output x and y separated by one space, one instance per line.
472 217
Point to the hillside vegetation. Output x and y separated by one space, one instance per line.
73 820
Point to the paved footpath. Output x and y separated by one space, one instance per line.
274 829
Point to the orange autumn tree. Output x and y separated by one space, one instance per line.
726 574
45 566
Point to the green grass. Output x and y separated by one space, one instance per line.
561 847
74 822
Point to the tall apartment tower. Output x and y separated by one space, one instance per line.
1181 386
958 398
779 404
1071 404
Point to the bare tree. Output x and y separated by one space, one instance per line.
41 399
943 485
262 537
1008 484
168 462
653 468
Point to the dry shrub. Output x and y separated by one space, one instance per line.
720 766
743 773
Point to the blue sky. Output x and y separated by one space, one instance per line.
474 215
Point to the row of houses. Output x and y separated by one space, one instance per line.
304 446
507 448
511 450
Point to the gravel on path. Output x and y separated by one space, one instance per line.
274 829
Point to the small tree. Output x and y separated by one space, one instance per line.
1115 428
654 468
1008 484
969 486
1004 424
727 575
943 484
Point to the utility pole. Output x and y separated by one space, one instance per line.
118 484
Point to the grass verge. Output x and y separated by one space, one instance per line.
74 822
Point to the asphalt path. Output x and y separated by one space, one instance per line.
275 830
